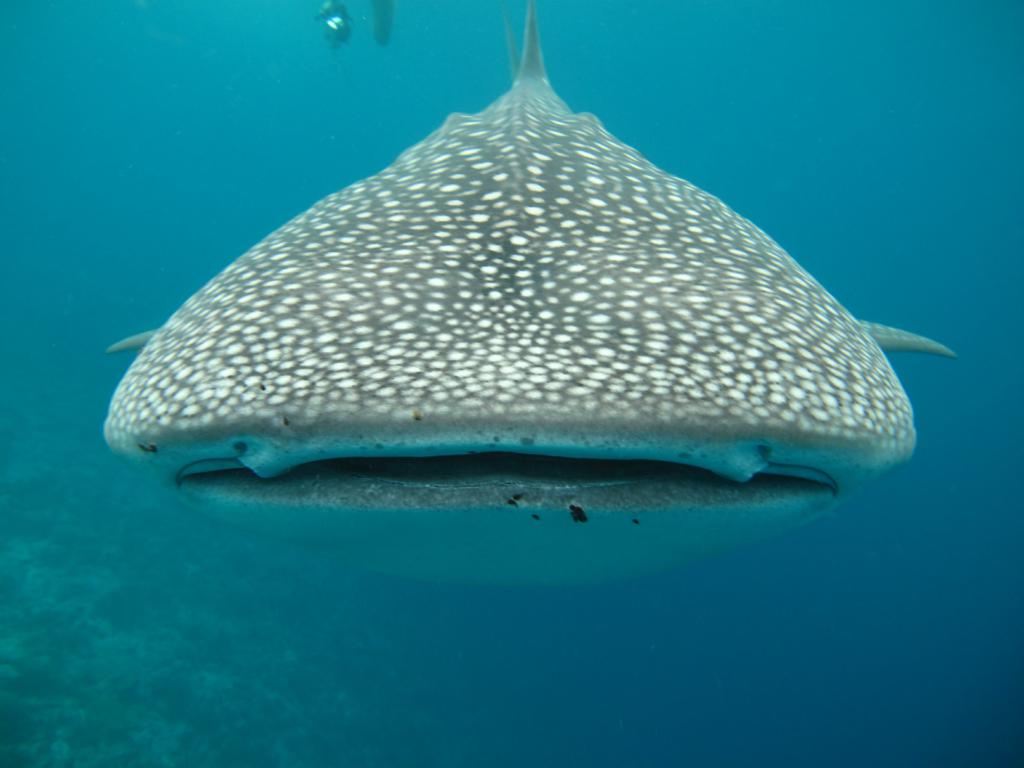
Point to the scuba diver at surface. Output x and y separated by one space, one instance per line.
338 23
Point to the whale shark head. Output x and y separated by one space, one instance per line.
521 352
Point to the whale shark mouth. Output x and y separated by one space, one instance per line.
499 480
499 517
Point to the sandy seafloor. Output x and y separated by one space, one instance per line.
143 145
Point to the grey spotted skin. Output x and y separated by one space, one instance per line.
520 281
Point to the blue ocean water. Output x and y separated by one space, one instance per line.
145 144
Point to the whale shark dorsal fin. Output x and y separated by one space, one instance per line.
531 65
133 342
897 340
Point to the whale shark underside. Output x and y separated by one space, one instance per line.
521 352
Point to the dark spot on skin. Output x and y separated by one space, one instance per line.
765 452
147 447
263 387
417 414
526 440
240 447
284 420
535 516
517 496
635 521
578 515
511 501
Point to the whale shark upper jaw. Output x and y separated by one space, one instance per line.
726 450
431 456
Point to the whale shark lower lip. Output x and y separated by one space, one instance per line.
519 304
497 470
505 517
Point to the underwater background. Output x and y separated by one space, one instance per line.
145 144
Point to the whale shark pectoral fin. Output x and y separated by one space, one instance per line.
136 342
897 340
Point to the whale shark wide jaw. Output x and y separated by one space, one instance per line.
509 517
520 353
545 505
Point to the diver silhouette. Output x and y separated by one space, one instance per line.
338 23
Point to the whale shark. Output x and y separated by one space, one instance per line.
520 353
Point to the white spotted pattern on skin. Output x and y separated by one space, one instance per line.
518 267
